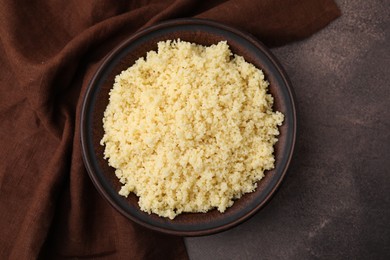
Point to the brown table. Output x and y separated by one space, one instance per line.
335 201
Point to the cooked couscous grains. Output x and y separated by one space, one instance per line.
190 128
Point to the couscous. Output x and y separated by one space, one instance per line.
190 128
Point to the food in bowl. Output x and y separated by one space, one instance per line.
190 128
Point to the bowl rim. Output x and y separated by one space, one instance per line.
169 23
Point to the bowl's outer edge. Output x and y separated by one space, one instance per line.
190 21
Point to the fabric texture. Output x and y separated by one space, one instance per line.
49 51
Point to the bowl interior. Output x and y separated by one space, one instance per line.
96 100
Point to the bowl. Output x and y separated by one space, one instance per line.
203 32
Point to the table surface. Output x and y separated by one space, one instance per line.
335 200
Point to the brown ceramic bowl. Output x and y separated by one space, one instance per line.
123 56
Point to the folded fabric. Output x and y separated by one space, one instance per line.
49 51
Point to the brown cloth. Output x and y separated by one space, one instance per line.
49 51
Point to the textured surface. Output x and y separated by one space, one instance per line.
335 201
